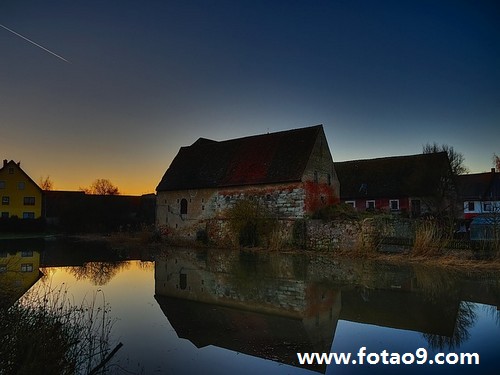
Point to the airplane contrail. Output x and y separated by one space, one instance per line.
36 44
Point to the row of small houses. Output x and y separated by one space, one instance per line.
290 173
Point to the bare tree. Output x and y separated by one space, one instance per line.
46 183
496 162
102 186
456 158
445 200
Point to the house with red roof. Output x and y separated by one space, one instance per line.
290 173
411 184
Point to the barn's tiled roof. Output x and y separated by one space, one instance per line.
398 176
260 159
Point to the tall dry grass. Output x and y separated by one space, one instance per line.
429 240
46 333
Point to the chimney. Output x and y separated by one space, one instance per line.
493 170
5 162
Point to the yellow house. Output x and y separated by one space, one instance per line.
20 195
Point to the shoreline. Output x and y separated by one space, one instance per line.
460 260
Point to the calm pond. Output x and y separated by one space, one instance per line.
187 311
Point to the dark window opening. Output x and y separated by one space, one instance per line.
370 205
416 209
183 281
394 204
184 206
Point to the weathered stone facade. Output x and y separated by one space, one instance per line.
311 184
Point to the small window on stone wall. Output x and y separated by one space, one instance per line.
184 206
183 281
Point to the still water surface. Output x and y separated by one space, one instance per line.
187 311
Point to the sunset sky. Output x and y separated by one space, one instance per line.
143 78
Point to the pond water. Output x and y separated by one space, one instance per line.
187 311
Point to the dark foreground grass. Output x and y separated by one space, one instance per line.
45 333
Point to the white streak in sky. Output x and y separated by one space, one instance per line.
32 42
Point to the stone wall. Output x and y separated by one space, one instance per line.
319 178
317 234
283 200
332 235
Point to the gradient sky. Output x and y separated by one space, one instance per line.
147 77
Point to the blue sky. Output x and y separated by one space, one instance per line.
147 77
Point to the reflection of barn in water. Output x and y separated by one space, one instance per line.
275 305
274 337
266 310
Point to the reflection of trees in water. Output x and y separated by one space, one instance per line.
436 283
100 273
146 265
493 312
466 317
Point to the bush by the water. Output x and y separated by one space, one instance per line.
341 211
251 223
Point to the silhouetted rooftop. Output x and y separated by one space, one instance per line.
412 175
260 159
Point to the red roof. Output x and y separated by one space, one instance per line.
260 159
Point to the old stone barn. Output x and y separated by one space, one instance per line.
289 174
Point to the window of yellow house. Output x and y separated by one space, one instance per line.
21 185
27 267
2 184
11 170
5 215
28 215
5 200
29 201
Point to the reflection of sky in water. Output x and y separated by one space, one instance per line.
151 345
349 337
